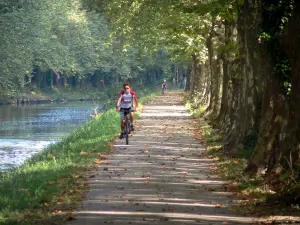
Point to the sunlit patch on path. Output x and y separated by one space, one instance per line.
160 177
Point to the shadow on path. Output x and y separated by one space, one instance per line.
160 177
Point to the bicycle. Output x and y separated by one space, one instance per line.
127 125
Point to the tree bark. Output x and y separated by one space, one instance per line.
227 57
194 75
291 45
274 112
249 19
214 72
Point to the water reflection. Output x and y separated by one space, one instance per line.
25 130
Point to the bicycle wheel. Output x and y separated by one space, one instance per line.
127 127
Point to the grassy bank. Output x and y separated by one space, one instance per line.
45 188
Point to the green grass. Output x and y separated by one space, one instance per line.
55 178
43 178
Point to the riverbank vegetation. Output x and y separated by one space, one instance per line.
49 186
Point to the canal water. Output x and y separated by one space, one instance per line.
27 129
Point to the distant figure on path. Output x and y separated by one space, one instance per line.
164 87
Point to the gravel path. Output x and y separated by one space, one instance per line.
161 177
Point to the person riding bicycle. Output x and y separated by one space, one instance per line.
125 102
164 87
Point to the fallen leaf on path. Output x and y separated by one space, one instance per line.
211 189
98 161
57 212
102 157
71 218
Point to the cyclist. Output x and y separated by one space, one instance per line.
164 87
125 102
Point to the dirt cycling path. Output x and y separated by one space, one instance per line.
160 178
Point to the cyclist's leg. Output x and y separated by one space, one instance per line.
122 123
132 118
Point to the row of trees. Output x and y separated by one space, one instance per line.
242 58
48 43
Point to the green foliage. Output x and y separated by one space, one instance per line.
65 36
43 178
51 34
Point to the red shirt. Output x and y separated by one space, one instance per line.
123 92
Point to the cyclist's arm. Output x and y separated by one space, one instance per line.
136 102
118 101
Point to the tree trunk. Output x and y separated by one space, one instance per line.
291 45
188 79
213 84
215 72
194 75
249 19
50 78
227 57
116 75
207 85
274 112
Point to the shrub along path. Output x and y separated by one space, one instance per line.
161 177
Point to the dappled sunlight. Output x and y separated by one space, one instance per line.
169 216
153 203
168 143
76 15
159 177
158 111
